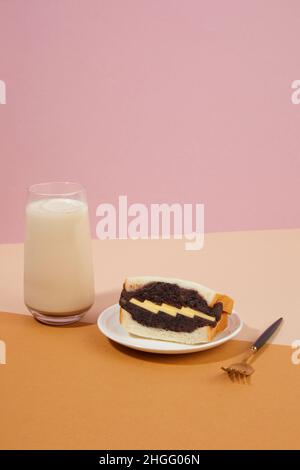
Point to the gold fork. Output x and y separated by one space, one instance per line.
241 370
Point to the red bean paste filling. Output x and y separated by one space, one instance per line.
171 294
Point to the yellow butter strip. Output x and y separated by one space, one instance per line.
151 306
189 312
170 310
147 305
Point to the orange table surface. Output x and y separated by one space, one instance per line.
70 387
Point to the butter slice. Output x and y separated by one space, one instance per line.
190 312
170 310
147 305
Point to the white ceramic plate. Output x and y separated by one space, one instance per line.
109 324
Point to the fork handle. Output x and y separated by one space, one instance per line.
266 335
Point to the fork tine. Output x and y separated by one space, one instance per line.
244 378
239 372
231 375
241 377
235 375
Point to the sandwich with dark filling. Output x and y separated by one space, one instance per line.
173 309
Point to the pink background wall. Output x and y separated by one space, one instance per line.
162 100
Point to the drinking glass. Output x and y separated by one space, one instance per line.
58 268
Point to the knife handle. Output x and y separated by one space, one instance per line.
266 335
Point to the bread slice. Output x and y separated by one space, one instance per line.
210 295
207 317
203 334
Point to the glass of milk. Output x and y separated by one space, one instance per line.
58 268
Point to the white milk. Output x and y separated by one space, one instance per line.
58 276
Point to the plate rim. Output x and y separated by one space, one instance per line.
185 348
